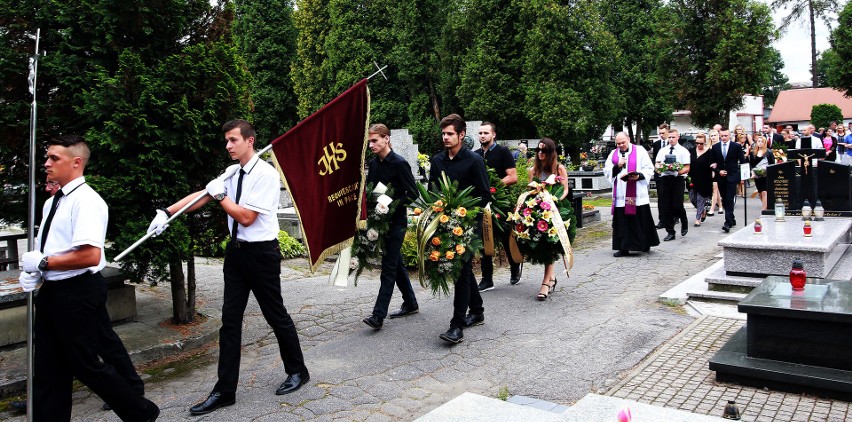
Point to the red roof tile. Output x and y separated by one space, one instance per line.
794 105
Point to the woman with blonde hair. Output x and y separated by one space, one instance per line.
716 200
543 166
759 159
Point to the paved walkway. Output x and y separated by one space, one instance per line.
601 323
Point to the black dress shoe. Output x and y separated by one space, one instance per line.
733 223
292 383
725 228
659 226
154 416
619 254
472 320
374 321
453 335
404 310
684 230
671 236
19 406
214 401
486 285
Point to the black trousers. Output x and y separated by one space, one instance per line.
488 261
68 334
670 201
254 268
727 190
394 273
466 296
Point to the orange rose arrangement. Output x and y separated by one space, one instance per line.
447 233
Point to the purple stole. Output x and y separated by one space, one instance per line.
630 196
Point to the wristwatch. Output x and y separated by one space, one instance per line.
219 197
43 264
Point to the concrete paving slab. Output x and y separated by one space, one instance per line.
595 407
471 407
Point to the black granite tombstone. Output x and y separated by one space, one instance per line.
833 186
807 188
781 185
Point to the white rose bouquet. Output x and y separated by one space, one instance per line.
368 247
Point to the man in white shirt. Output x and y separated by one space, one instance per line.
630 169
249 194
671 185
71 319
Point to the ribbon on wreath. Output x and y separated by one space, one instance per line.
487 231
558 223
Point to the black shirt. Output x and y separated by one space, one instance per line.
499 158
466 168
396 172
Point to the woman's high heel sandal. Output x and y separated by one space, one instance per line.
542 296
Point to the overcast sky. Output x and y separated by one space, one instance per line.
795 45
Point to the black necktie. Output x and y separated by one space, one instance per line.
237 201
46 228
671 150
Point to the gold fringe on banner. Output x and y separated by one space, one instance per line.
487 231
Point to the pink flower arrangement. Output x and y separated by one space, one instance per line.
542 226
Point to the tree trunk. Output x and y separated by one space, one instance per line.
179 311
433 98
639 130
630 130
190 288
813 45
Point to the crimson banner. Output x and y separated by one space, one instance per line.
321 161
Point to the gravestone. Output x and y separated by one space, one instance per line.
402 143
781 185
834 189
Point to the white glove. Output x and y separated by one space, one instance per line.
28 280
216 187
30 261
158 224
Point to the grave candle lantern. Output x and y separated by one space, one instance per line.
806 210
758 226
779 211
819 211
798 276
807 228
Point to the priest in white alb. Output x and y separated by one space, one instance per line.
629 169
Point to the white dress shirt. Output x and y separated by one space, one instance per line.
261 193
81 219
681 155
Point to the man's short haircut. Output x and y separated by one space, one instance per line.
455 121
673 130
379 129
663 126
246 128
493 126
76 144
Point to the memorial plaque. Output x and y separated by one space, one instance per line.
781 185
834 189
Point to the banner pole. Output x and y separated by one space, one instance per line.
31 218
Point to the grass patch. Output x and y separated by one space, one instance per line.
177 367
503 394
598 201
592 234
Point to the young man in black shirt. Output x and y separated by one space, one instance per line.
466 168
500 159
391 169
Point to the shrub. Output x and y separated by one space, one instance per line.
409 248
290 247
823 114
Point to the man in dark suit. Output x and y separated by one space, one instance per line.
727 157
771 136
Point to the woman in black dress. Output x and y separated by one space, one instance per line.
759 159
701 176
